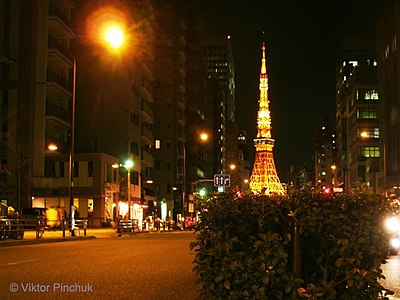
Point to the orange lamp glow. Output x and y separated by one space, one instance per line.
114 36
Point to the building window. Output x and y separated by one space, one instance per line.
134 118
135 177
135 148
168 188
368 152
61 169
157 165
49 168
367 113
76 169
90 169
367 95
368 133
361 173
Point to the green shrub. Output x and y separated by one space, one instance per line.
244 247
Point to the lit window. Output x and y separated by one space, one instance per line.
367 113
368 152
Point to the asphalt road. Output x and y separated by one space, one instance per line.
145 266
142 266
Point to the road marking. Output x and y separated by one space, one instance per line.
19 262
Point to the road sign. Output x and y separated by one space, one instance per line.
222 180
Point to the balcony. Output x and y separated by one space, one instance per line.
147 135
55 11
147 158
147 90
58 80
56 111
61 48
147 111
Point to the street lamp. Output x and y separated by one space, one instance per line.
333 167
52 147
114 36
184 186
72 150
202 137
127 166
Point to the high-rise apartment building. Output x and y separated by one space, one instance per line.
35 95
387 32
357 113
180 107
220 65
324 158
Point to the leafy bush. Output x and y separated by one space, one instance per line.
245 247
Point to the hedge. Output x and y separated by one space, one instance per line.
305 245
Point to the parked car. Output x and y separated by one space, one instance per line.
30 216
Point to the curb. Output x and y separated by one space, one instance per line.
9 243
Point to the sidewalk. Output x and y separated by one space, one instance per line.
51 236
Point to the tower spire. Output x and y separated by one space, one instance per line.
264 178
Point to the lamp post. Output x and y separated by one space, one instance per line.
184 186
72 149
203 137
128 166
333 167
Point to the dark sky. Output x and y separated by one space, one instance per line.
301 39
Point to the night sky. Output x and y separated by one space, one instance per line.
301 41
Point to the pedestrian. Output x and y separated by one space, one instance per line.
158 223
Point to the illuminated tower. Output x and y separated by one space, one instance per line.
264 179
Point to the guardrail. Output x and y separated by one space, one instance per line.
11 228
15 227
79 223
127 225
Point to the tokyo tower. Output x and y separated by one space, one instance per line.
264 178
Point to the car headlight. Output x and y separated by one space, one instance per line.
393 224
395 243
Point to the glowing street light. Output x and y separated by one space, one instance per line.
114 36
364 134
204 136
52 147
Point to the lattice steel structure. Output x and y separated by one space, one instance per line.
264 178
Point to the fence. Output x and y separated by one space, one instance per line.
14 227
